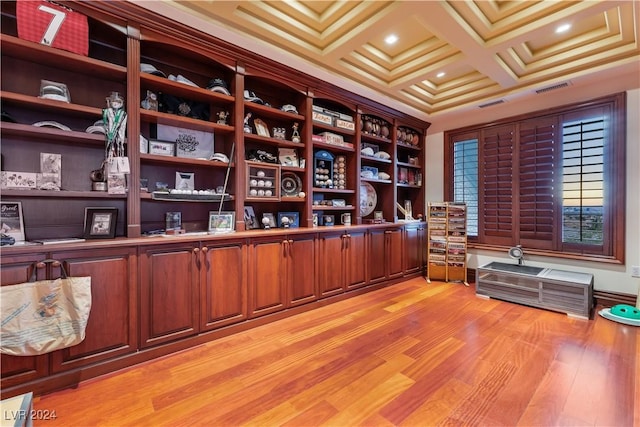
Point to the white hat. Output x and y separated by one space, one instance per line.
52 124
148 68
97 127
54 92
220 157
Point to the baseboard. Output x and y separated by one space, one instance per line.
609 299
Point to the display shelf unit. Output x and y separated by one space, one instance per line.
335 162
221 280
114 64
376 163
89 80
447 242
409 161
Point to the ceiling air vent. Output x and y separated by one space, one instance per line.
489 104
554 87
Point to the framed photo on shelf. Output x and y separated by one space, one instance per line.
271 218
293 219
100 223
261 128
223 222
12 221
250 219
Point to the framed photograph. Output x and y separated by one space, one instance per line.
11 220
261 128
173 221
288 157
250 219
293 219
271 218
223 222
185 181
100 223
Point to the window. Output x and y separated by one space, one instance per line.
583 180
553 181
465 180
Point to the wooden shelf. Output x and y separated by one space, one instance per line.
154 158
332 190
50 105
409 165
58 58
260 111
68 194
51 134
272 141
161 84
180 121
375 159
333 147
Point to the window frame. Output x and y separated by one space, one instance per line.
614 209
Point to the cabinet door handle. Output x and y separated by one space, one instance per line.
387 232
205 249
196 250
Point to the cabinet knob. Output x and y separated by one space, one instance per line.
387 232
196 250
205 249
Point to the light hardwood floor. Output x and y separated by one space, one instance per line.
412 354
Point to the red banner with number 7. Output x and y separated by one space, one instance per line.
53 25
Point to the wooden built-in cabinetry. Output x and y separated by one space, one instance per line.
155 295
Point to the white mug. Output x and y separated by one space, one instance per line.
345 218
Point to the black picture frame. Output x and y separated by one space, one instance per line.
100 223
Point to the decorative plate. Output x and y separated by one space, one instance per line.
368 198
291 184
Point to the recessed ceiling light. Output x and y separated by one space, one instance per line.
563 28
441 74
391 39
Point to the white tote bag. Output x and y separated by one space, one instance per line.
46 315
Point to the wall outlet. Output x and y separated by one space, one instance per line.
635 271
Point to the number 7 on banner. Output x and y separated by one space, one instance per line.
53 25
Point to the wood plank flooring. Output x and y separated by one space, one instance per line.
413 354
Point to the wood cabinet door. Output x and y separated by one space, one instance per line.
168 293
377 255
356 259
301 269
331 263
21 369
223 284
267 276
112 326
395 249
412 250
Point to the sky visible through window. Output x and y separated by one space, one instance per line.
583 180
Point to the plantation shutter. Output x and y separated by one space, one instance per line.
537 182
497 177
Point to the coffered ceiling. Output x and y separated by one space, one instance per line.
491 52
